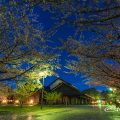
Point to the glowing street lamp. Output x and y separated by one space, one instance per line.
47 70
4 101
110 89
16 101
43 74
114 89
31 102
99 101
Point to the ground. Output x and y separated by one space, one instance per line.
57 113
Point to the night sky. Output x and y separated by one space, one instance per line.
44 18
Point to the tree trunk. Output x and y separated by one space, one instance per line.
21 102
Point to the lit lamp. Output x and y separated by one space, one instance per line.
99 101
118 101
114 89
92 102
31 101
43 75
16 101
110 102
4 101
110 89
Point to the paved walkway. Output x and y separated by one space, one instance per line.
66 113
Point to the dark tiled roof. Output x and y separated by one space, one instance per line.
65 82
68 84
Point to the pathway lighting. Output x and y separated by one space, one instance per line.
4 101
31 102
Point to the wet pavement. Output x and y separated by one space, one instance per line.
66 113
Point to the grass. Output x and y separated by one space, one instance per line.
56 113
24 109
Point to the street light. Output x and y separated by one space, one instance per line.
43 75
47 71
110 89
31 101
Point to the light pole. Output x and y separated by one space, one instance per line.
42 92
43 75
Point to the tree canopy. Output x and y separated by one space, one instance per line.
95 41
22 41
26 89
52 97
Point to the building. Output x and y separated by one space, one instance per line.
5 96
70 94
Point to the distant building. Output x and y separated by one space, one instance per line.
4 94
70 94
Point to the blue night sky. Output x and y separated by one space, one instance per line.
45 20
77 80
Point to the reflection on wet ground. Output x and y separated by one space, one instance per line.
16 117
72 113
